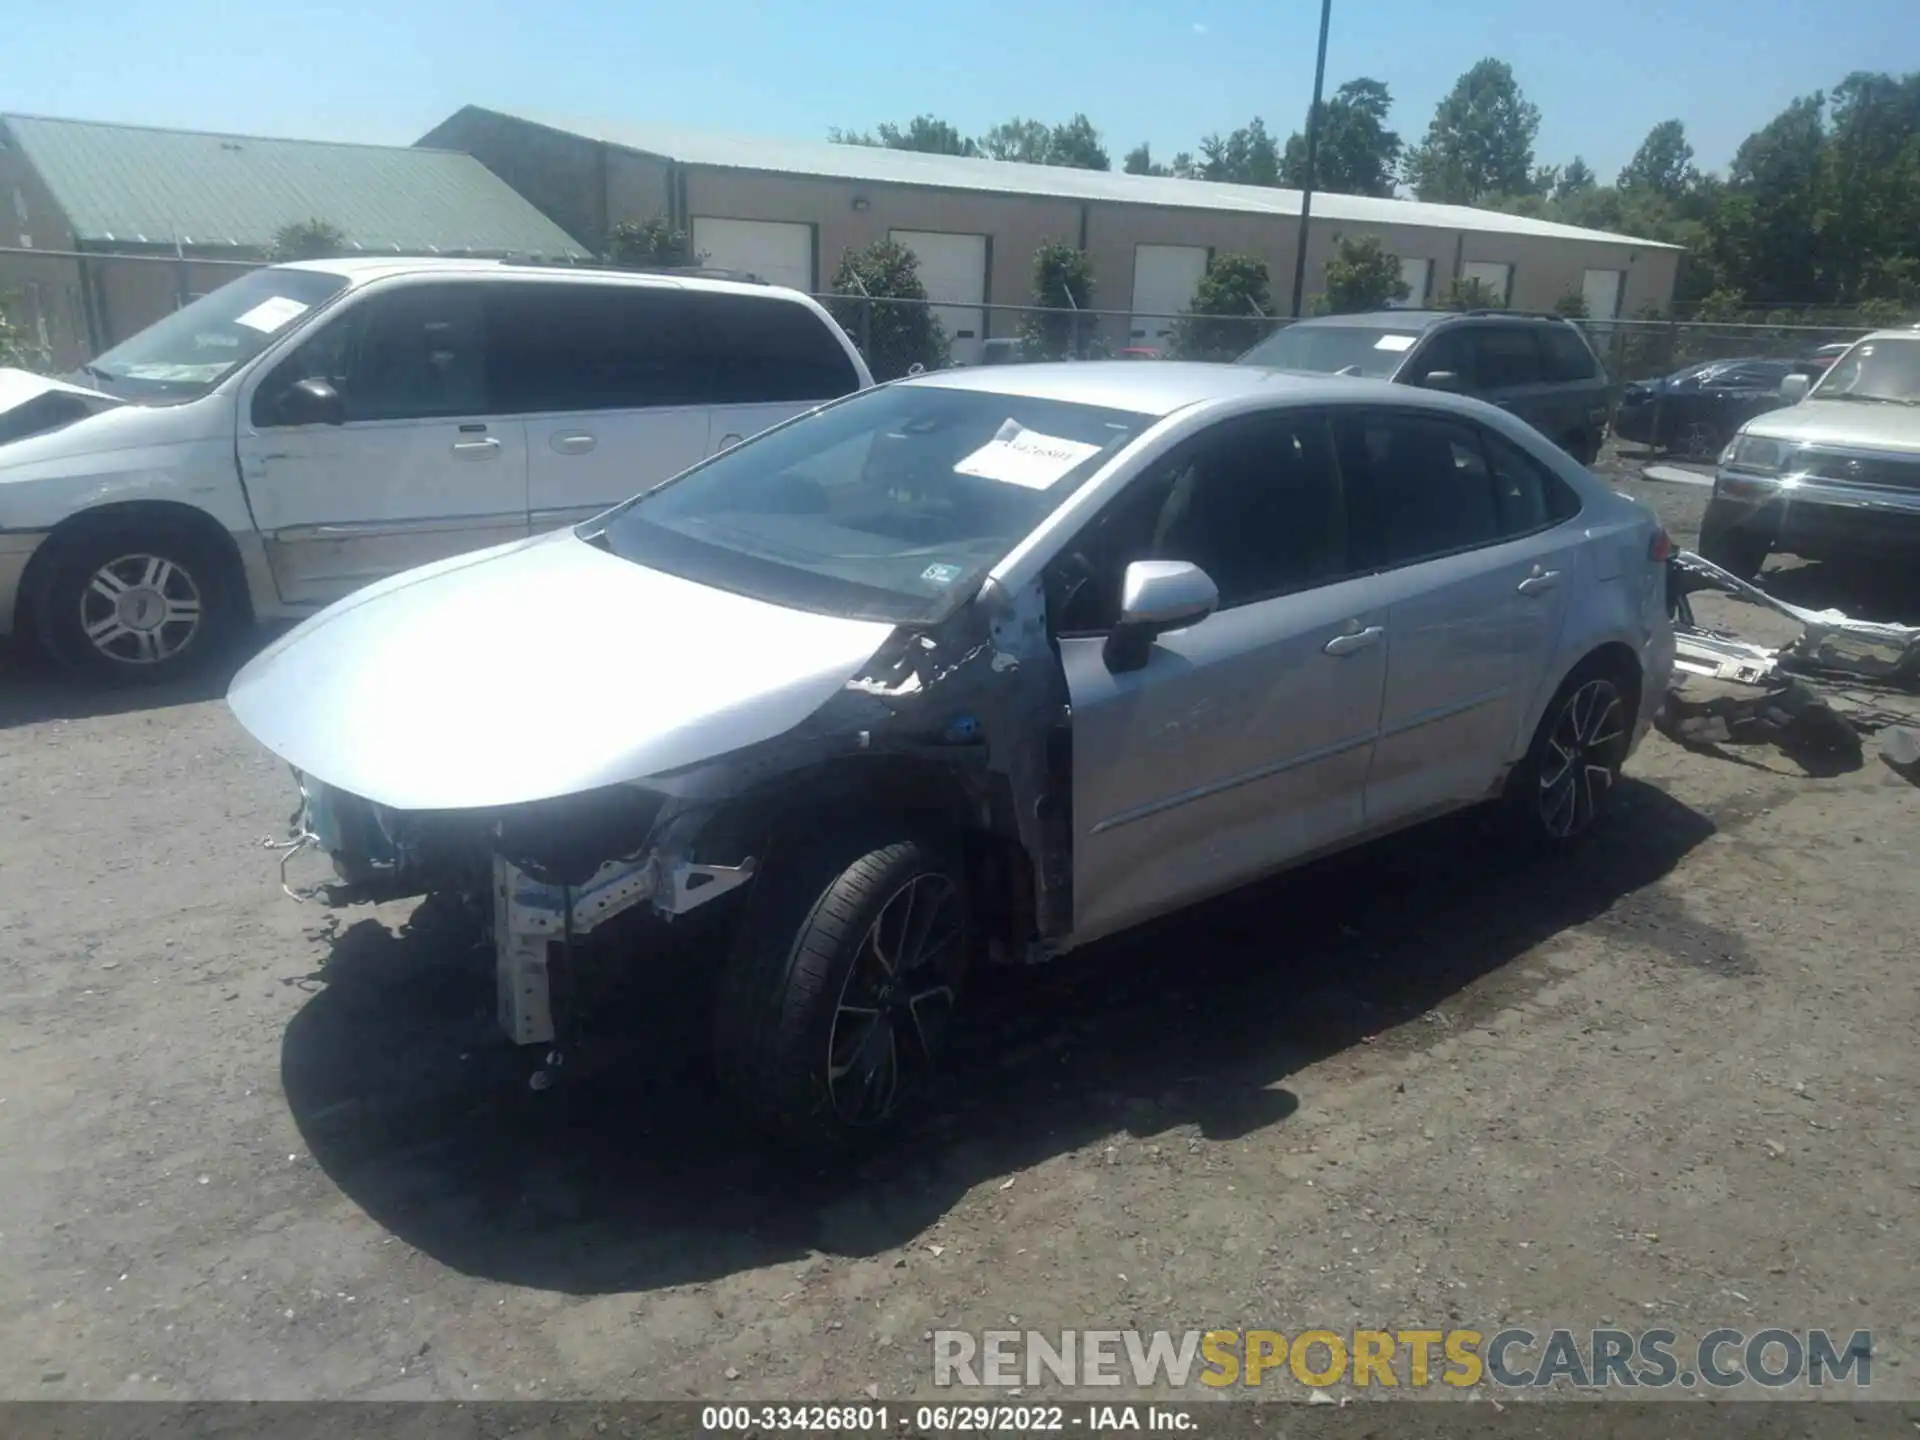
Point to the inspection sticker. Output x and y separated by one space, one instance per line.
1019 456
1394 342
271 315
939 574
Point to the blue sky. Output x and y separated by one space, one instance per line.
1602 75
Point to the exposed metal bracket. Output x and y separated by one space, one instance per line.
688 885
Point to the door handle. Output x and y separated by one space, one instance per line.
477 449
1539 582
1355 640
573 442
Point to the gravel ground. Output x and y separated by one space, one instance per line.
256 1151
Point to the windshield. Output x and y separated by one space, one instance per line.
891 505
1883 371
1334 350
196 347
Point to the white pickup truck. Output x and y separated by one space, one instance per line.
309 428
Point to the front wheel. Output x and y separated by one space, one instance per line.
133 603
837 1000
1562 787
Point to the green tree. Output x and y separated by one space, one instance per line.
1663 165
1247 156
1362 275
1075 144
1357 154
655 244
1139 161
1228 312
926 133
1577 178
308 240
1062 287
1480 142
1872 187
1766 233
1469 294
893 337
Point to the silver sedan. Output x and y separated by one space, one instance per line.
973 668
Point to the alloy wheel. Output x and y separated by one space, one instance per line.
140 609
1584 753
897 999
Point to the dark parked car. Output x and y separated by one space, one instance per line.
1538 366
1697 409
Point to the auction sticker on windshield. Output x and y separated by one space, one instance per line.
1394 342
1019 456
271 315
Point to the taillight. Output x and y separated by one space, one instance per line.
1660 548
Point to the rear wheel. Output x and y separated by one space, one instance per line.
1733 540
127 602
1561 789
1699 440
837 1000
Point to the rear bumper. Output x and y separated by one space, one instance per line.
16 549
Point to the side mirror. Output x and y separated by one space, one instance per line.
1157 596
1445 380
1794 388
312 402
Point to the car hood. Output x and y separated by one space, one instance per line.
30 403
1843 423
540 668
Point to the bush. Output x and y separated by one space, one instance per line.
650 245
15 352
1226 316
1572 306
894 338
308 240
1362 275
1062 282
1462 294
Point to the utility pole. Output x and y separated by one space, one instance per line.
1313 147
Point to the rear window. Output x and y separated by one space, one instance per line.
1567 355
1365 350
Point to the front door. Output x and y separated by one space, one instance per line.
1474 570
1243 741
423 467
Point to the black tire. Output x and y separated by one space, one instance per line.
810 1062
1583 447
179 607
1731 540
1558 792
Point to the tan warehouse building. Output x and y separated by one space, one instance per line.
785 210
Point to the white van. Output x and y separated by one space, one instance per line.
309 428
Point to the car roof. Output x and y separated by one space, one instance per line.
363 269
1152 387
1398 319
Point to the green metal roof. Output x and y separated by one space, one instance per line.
139 186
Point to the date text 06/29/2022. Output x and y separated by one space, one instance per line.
946 1417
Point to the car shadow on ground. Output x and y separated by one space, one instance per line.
1885 588
33 690
639 1176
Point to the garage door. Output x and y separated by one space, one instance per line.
1164 279
1601 290
954 270
1418 274
771 250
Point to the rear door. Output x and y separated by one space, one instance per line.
1242 742
601 376
1474 571
764 359
423 467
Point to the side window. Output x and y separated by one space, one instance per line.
1451 351
767 351
1256 503
1506 356
1419 486
1526 495
405 354
1568 357
558 346
1749 377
